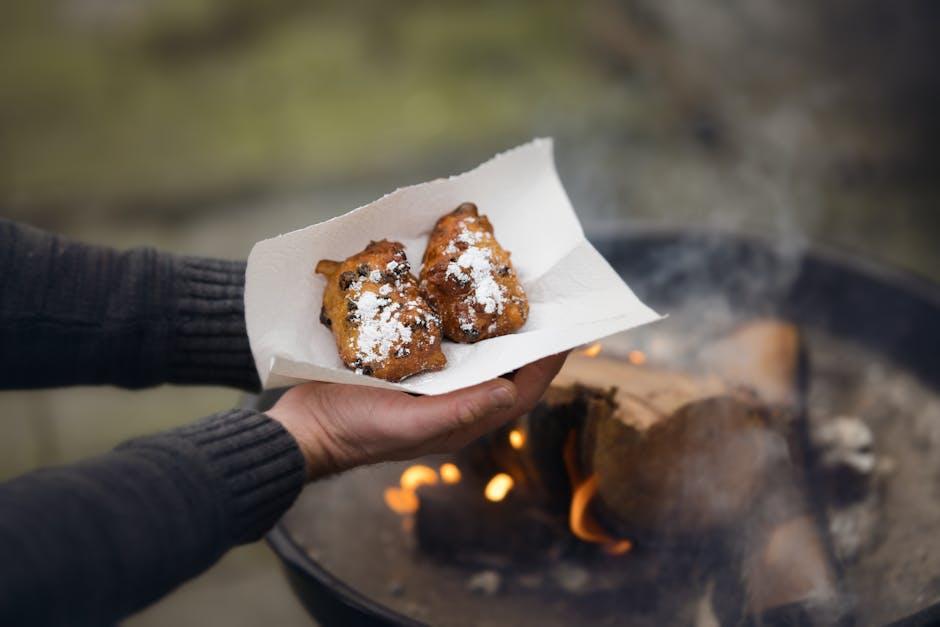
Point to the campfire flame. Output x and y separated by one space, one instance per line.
401 501
593 350
516 439
498 487
636 357
417 475
580 521
617 547
583 526
404 500
450 473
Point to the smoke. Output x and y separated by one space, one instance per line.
737 128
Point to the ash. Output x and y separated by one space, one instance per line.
884 510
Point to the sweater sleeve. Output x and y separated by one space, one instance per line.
93 542
71 314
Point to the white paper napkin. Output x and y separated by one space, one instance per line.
574 295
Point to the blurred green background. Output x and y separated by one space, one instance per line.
202 126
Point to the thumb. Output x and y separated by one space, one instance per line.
462 410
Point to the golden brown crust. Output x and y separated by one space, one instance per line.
381 324
469 280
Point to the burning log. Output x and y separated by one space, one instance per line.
464 523
766 356
617 453
785 565
684 457
686 454
643 395
683 453
696 471
673 453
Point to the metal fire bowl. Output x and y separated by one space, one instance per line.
885 309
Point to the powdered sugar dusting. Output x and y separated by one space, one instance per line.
380 329
378 318
475 266
469 237
467 322
379 321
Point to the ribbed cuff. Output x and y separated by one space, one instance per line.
257 464
210 341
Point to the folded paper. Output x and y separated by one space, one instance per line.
574 295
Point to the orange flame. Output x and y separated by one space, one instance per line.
417 475
617 547
637 358
581 522
593 350
498 487
401 501
450 473
582 525
404 500
516 439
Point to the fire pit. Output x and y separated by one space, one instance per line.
770 454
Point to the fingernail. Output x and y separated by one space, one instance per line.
503 397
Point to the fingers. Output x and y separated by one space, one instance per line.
460 409
532 380
536 376
460 417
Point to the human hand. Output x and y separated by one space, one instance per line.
341 426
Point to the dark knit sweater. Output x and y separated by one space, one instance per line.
92 542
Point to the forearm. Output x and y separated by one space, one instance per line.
72 314
92 542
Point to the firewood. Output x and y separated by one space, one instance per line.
646 428
697 471
764 355
537 467
785 564
688 454
676 455
457 523
644 395
685 451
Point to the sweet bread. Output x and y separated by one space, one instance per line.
469 280
382 325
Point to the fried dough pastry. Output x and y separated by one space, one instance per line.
382 325
468 279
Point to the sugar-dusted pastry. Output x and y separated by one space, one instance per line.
468 279
382 325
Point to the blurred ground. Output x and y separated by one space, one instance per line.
202 126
